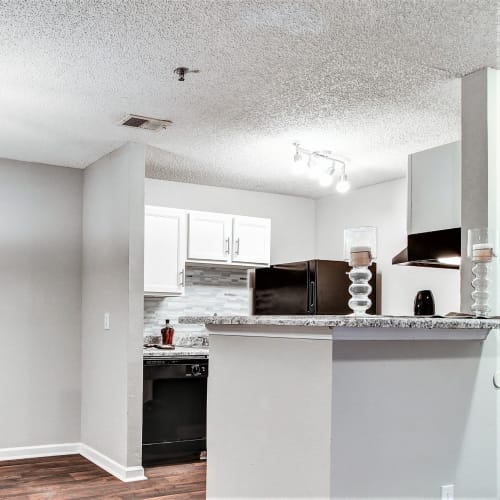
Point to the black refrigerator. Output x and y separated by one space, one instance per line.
308 287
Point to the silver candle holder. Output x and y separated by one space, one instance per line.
359 250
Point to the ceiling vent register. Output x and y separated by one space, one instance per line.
144 122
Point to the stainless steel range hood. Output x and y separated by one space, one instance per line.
433 218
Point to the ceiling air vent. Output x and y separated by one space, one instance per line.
136 121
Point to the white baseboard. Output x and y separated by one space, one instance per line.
49 450
125 474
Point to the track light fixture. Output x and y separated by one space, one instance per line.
321 165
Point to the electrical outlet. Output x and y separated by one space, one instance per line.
447 492
106 321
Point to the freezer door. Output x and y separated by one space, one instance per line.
282 289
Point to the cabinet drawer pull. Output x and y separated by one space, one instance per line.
227 245
237 249
182 278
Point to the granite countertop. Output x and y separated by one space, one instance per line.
348 321
178 352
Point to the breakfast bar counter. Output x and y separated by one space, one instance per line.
350 407
355 327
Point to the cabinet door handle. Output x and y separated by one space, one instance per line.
237 249
227 245
182 278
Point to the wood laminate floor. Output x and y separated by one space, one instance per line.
72 476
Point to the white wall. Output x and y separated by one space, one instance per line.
113 228
263 392
40 297
293 218
384 206
409 417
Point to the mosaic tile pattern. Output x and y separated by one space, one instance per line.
209 290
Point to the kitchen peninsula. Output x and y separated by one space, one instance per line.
359 407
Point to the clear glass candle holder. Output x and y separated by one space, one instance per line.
360 247
481 251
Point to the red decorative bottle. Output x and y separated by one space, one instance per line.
167 333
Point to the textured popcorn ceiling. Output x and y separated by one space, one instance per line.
373 80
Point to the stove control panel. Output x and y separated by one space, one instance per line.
164 368
197 370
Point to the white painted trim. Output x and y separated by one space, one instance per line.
49 450
272 331
346 333
452 334
228 265
125 474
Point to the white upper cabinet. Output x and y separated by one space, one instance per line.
251 240
228 239
173 237
209 237
434 189
164 251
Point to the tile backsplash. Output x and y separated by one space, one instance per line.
209 289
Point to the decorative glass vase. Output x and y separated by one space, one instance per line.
359 250
480 250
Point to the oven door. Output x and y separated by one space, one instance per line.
174 409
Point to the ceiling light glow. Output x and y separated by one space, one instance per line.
449 261
299 168
326 179
314 169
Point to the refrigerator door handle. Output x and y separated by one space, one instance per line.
311 306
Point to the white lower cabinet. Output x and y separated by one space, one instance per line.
164 251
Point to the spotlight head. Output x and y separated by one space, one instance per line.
298 155
313 169
343 184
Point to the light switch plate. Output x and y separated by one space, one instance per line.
447 491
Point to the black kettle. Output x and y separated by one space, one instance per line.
424 303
